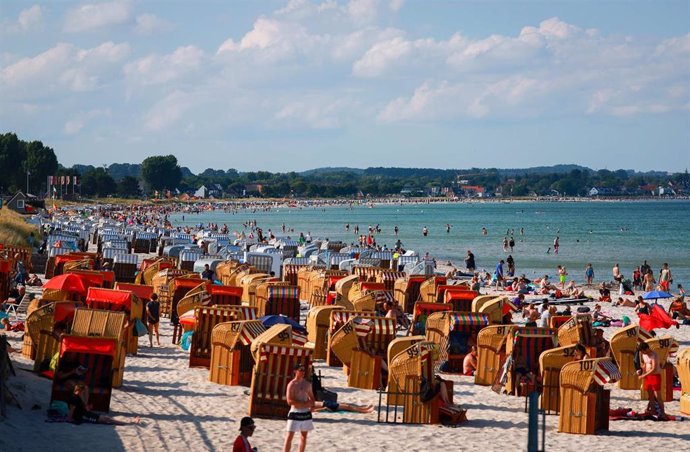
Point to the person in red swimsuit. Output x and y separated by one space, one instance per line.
650 373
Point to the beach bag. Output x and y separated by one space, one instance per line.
186 341
139 328
583 309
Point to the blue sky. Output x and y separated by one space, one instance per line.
293 85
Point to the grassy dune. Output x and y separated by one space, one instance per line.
14 230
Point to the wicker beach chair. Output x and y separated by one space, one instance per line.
494 308
95 278
422 310
525 347
119 300
338 318
683 364
556 321
491 352
664 347
388 278
279 334
125 268
231 357
584 404
460 299
406 292
452 332
206 320
577 330
427 290
318 322
97 355
344 285
45 325
104 324
397 346
408 370
272 373
249 282
623 346
279 299
142 291
550 364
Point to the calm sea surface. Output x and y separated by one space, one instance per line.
602 233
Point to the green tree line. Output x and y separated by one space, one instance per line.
162 172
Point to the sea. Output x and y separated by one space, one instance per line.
598 232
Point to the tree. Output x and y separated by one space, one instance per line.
160 172
128 187
12 154
98 182
40 162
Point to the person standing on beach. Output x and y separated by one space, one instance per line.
153 318
665 278
241 443
499 274
301 400
469 261
650 374
589 275
556 244
511 265
616 273
562 274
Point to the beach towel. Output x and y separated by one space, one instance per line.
658 318
628 414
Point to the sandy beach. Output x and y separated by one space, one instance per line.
181 410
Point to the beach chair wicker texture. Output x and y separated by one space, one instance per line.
683 364
451 331
495 308
273 371
41 326
104 324
422 310
206 320
318 322
231 358
97 355
550 364
664 347
584 404
406 372
527 345
577 330
406 291
397 346
338 318
623 345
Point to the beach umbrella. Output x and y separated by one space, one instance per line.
270 320
656 294
68 282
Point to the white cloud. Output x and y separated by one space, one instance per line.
168 111
313 111
30 17
148 24
77 123
375 61
157 69
95 16
64 66
363 10
395 5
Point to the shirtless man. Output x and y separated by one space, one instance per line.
301 400
469 363
650 374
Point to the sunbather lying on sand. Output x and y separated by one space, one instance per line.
339 406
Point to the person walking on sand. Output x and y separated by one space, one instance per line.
665 278
301 399
153 309
469 261
562 274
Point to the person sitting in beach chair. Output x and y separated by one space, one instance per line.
525 378
437 392
469 362
79 409
393 311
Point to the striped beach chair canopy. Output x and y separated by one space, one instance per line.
125 258
467 321
529 343
110 253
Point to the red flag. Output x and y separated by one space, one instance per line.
657 319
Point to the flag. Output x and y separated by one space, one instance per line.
74 180
657 319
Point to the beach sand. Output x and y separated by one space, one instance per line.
182 411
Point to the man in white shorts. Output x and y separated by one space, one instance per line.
301 400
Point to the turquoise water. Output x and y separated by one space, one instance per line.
602 233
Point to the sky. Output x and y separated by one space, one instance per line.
294 85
